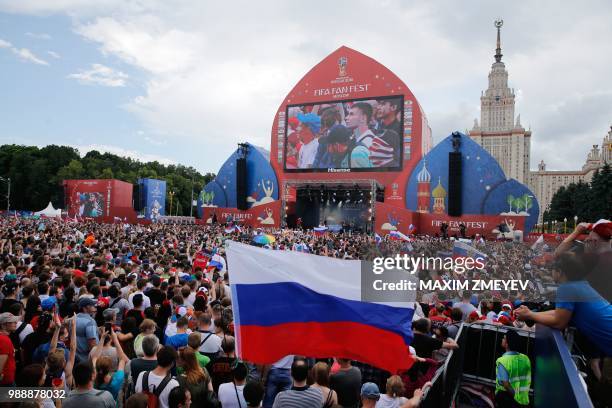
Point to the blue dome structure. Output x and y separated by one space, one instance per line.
262 184
485 188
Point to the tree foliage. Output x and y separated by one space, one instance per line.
37 173
589 201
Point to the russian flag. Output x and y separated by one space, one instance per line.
294 303
399 236
320 230
465 250
377 238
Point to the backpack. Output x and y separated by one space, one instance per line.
377 152
153 397
14 336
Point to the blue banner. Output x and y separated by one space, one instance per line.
153 194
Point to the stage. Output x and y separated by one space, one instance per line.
338 205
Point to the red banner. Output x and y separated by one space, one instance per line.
264 216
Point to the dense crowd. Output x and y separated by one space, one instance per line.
141 315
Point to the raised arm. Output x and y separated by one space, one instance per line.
73 346
567 243
123 358
56 331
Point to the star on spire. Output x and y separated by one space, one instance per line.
498 24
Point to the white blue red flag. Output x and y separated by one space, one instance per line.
399 236
377 238
465 250
294 303
320 230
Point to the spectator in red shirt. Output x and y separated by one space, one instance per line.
8 324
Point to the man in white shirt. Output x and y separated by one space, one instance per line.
210 344
308 132
146 302
231 394
160 376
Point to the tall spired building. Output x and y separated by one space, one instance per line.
499 132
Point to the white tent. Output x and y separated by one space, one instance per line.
49 211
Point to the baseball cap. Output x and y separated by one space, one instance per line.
8 318
370 390
84 302
48 303
507 305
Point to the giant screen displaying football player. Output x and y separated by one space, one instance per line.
357 134
91 204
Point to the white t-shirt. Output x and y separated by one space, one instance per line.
146 302
211 345
26 330
307 154
154 381
386 401
227 396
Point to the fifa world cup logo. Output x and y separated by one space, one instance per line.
342 61
394 188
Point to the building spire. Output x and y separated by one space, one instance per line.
498 24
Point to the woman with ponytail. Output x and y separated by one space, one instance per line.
106 379
394 397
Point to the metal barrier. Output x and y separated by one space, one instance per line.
559 383
479 348
446 381
555 379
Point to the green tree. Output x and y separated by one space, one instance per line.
37 175
510 201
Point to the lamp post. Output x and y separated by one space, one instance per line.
565 225
8 192
171 194
575 221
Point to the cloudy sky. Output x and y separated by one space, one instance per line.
183 81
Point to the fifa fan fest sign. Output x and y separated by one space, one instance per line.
351 119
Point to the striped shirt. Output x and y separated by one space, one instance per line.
299 397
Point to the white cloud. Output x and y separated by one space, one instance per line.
38 36
27 55
120 151
54 54
23 53
100 75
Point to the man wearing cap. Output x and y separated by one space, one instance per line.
8 324
597 253
369 395
86 329
513 378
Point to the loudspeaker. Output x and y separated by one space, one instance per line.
241 184
136 198
59 197
454 184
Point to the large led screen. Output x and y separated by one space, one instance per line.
342 136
